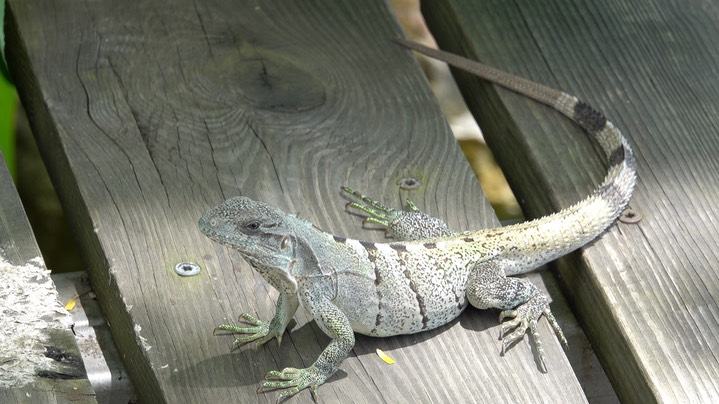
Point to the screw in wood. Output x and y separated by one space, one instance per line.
187 269
409 183
630 216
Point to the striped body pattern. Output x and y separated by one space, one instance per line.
411 287
429 274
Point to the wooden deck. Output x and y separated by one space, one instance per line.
646 294
39 357
147 114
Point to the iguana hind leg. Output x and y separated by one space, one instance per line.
403 225
519 299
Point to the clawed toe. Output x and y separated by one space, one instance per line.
293 380
379 214
524 319
258 331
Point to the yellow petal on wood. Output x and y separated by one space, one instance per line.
384 356
70 304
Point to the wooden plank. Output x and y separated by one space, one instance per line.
644 292
39 360
101 358
147 115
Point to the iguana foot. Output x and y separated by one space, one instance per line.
294 380
525 317
411 224
379 213
260 332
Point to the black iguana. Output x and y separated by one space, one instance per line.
427 277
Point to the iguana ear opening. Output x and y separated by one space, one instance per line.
285 242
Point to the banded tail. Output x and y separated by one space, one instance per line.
552 236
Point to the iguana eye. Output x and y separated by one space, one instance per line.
251 227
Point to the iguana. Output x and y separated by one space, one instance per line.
426 278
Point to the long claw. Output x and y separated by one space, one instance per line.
555 326
378 213
258 331
410 224
411 206
524 318
294 380
371 202
380 222
366 209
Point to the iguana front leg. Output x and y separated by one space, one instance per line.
261 331
335 324
403 225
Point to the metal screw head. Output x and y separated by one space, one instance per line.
409 183
630 216
187 269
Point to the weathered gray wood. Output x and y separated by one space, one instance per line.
149 113
39 358
646 293
103 366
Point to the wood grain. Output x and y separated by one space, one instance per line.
646 293
147 115
32 380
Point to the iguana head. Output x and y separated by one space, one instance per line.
264 236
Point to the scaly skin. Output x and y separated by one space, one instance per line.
427 277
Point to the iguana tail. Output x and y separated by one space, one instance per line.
550 237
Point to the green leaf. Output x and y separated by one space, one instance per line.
3 66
